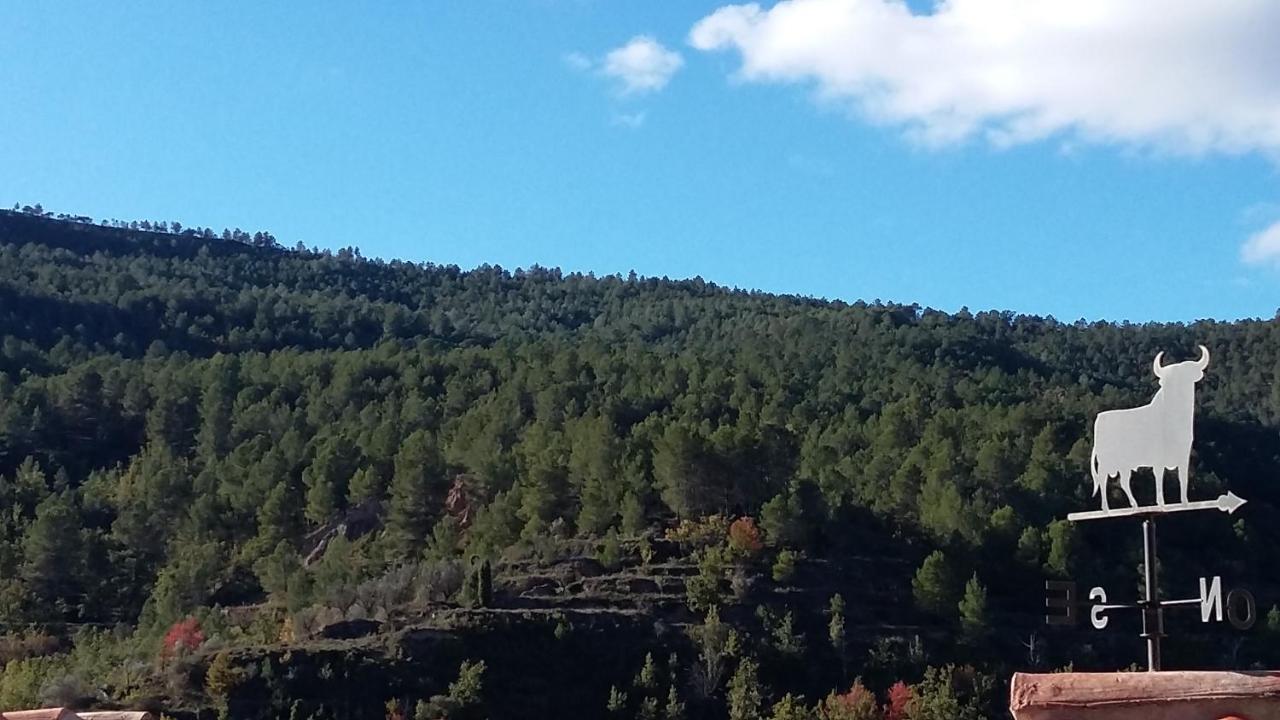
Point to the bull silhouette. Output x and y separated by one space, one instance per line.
1157 435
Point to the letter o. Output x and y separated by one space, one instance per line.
1250 609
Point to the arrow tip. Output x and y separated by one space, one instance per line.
1230 502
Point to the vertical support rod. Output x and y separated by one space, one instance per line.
1152 613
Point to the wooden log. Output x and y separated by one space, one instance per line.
1143 696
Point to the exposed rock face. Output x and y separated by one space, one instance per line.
354 523
350 629
533 670
1143 696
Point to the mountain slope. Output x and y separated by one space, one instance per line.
179 414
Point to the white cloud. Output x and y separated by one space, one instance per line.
642 65
629 120
1263 247
1188 76
577 61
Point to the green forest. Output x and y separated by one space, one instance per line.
244 481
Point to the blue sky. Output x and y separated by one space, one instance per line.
1048 157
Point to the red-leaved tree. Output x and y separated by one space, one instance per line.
900 698
183 637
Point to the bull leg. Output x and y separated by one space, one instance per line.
1183 470
1159 473
1103 492
1124 483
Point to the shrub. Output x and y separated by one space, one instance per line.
610 553
440 581
695 534
647 553
790 707
29 644
740 583
220 681
704 590
745 538
857 704
784 567
900 701
951 693
66 690
184 636
478 591
21 680
782 632
466 689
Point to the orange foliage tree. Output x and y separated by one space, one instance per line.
857 704
745 537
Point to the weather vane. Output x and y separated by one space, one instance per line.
1158 436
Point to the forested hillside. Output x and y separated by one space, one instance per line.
231 473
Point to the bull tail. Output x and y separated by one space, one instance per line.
1094 468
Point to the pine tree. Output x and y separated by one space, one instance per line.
745 697
974 620
446 540
322 499
610 554
675 707
327 478
932 585
1272 624
683 484
53 553
790 707
279 519
1062 547
216 407
780 520
647 678
366 484
1030 546
633 517
419 471
836 631
617 704
592 472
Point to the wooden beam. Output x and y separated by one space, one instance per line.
1146 696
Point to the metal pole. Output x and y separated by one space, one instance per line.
1152 613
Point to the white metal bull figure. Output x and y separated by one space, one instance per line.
1157 435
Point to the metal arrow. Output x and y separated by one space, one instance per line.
1228 503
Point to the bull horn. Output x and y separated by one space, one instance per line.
1203 362
1155 364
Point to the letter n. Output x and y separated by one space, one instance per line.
1211 599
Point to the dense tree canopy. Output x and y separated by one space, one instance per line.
182 416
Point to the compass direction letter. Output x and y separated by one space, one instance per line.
1211 599
1095 614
